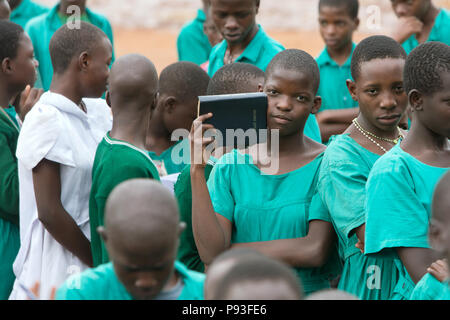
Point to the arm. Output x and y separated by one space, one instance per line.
308 252
333 122
417 260
51 213
405 28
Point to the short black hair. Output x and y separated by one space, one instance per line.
258 268
183 80
10 34
424 67
375 47
234 78
67 43
351 6
298 60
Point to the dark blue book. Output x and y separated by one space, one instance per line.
241 118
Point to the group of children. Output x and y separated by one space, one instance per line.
83 211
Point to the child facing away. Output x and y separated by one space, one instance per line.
142 241
400 185
55 153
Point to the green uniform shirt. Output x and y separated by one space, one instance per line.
42 28
264 207
342 181
398 208
192 43
174 159
259 52
439 32
26 11
9 202
101 283
115 161
333 88
429 288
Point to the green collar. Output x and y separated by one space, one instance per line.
325 59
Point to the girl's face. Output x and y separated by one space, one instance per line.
24 64
291 98
380 94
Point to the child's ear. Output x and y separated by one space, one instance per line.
415 100
102 232
83 60
6 65
351 86
317 104
169 104
356 21
260 87
435 236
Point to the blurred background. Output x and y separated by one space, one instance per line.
150 27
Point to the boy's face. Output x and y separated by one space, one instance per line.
379 92
336 26
24 64
407 8
180 115
291 99
235 19
79 3
96 77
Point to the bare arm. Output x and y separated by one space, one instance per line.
417 260
333 122
51 213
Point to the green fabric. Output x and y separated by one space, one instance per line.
42 28
26 11
115 161
192 43
439 32
333 88
429 288
101 283
312 129
174 159
342 180
259 52
187 251
398 208
264 207
9 247
11 111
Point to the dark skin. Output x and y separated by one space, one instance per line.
14 3
415 17
86 76
235 20
291 100
5 10
65 4
336 28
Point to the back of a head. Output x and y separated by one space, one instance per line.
296 60
10 34
236 77
259 278
351 6
183 80
68 43
375 47
441 200
331 294
424 66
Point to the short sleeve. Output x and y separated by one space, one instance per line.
318 210
42 136
395 215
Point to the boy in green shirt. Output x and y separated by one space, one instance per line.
180 84
121 155
141 233
420 21
23 11
41 29
338 20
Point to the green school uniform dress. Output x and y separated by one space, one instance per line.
9 200
398 208
429 288
265 207
26 11
115 161
173 159
439 32
101 283
342 181
192 43
42 28
333 88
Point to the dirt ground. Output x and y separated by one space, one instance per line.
160 45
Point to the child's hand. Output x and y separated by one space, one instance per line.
439 270
35 291
406 27
199 151
360 246
28 99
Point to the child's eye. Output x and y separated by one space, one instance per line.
301 98
272 92
372 92
399 89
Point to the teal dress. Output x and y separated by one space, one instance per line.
264 207
429 288
342 181
440 32
398 208
174 159
42 28
26 11
333 87
192 43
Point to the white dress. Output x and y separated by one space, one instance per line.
58 130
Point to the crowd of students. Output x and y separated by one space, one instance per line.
99 201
